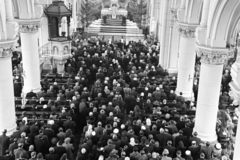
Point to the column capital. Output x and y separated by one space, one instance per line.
187 30
6 48
214 56
29 25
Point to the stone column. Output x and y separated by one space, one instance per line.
212 61
164 39
74 14
186 61
236 154
31 68
7 104
44 30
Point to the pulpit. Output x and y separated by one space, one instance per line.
59 47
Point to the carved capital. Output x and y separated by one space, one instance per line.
187 31
29 26
6 49
214 56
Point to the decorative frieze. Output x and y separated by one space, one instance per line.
6 49
214 56
29 26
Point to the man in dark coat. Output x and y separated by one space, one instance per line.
40 144
162 138
4 143
180 137
20 151
13 146
31 94
52 155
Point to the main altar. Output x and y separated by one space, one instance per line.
114 24
114 11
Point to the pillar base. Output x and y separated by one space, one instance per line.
60 68
172 71
27 90
189 96
9 130
206 137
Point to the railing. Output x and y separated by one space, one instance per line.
45 50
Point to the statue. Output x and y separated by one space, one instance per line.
114 8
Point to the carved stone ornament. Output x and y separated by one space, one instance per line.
29 26
174 14
6 49
187 31
213 55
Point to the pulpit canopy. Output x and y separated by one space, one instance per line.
58 9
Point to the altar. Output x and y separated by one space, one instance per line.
108 12
114 11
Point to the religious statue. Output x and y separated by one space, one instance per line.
55 50
114 8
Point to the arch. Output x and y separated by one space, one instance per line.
193 10
224 19
15 8
2 21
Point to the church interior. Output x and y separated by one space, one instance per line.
119 79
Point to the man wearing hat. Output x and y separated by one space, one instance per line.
4 142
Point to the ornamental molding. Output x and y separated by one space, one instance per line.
214 56
174 14
6 48
187 31
29 25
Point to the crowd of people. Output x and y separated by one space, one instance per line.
121 101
